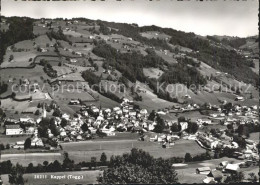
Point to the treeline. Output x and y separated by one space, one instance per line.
20 29
94 82
234 42
133 32
48 69
91 78
57 35
189 61
3 87
67 165
181 73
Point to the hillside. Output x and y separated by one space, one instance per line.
102 54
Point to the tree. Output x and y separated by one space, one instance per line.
103 158
93 162
54 129
160 126
56 166
39 105
175 127
57 113
30 168
217 153
45 163
6 167
84 127
7 146
181 119
64 122
152 115
188 157
2 146
15 178
43 128
253 177
16 175
192 127
238 91
235 177
67 162
11 58
37 112
27 143
138 166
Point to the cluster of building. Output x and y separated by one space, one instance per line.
224 141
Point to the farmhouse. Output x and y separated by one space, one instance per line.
205 121
19 145
203 170
232 168
29 110
37 142
73 60
239 98
65 116
74 102
10 121
27 120
184 125
13 130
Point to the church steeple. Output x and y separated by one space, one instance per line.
43 111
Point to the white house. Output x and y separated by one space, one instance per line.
184 125
239 98
73 60
13 130
65 116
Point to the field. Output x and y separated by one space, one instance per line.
168 57
21 59
39 30
89 177
104 102
35 158
34 75
152 72
11 140
150 99
111 145
71 77
193 115
62 70
9 104
73 94
83 151
154 34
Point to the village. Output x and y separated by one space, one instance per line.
92 121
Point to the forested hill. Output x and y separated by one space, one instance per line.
119 53
20 28
206 49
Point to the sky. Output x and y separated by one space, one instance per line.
215 17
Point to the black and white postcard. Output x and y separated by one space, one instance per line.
129 92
